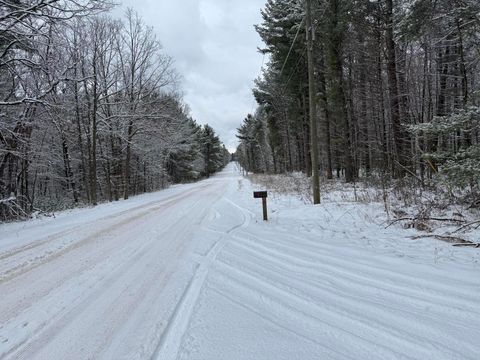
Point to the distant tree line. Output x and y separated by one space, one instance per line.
90 109
398 90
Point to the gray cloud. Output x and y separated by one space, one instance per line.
214 46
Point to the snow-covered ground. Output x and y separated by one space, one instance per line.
193 273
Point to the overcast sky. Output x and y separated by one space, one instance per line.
214 46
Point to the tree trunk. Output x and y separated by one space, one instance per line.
398 136
128 158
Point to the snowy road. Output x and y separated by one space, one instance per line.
190 273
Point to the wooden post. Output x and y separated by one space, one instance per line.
264 204
262 195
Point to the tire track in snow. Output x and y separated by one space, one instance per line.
321 323
260 308
32 263
324 280
315 243
120 304
55 236
327 268
318 246
171 340
114 283
110 248
359 270
46 329
373 319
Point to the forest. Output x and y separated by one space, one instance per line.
396 93
91 109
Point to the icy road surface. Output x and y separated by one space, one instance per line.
191 273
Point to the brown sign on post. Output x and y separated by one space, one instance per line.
259 194
262 195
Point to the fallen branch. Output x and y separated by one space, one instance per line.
458 241
469 244
467 225
425 219
443 238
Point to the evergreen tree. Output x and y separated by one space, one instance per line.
382 67
212 150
